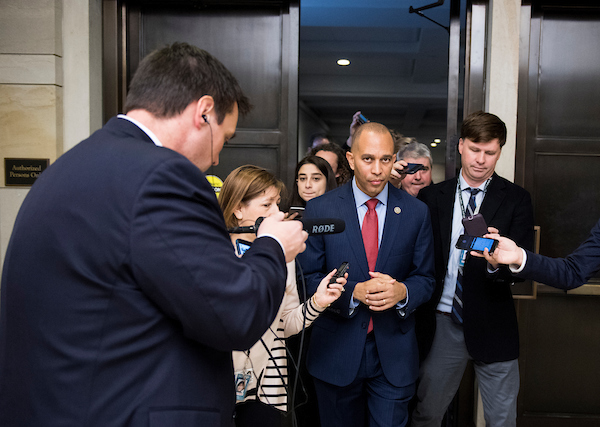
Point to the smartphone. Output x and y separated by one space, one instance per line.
298 210
411 168
362 119
475 225
478 244
340 272
242 246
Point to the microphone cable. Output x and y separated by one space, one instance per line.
297 365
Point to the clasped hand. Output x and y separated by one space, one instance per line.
381 292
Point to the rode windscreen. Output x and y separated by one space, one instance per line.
312 226
323 225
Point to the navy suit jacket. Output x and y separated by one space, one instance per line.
122 297
490 320
405 253
566 273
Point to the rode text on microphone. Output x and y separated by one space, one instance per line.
313 226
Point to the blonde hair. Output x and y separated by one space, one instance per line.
242 185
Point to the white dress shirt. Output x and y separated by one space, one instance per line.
445 304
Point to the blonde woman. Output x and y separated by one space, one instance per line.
248 193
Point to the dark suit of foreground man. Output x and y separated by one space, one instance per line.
361 377
122 297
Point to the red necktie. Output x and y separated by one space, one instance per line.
370 235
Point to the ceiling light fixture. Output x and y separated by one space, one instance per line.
343 62
434 144
437 140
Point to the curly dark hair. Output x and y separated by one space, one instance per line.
344 172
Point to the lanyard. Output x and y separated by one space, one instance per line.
462 204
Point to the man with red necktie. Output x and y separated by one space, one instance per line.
363 352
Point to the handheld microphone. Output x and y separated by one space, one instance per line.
312 226
250 229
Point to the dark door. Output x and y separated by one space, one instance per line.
558 161
256 40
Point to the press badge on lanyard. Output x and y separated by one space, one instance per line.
243 378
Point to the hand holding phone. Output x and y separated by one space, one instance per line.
411 168
298 210
340 272
477 244
475 225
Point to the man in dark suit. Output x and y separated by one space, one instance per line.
363 351
122 297
471 315
563 273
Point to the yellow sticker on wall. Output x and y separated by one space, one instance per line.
216 183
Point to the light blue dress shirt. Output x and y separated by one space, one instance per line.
360 200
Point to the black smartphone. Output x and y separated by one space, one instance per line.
411 168
478 244
340 272
362 119
242 246
296 210
475 225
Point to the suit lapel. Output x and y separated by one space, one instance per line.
493 199
445 202
391 227
347 209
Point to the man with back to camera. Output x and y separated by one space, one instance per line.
471 315
414 152
122 296
363 351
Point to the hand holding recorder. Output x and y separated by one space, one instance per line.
331 287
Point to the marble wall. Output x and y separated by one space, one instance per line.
30 93
503 75
50 85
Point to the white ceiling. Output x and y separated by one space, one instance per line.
398 70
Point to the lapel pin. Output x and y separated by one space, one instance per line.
397 210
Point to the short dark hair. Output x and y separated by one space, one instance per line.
169 79
483 127
344 170
318 138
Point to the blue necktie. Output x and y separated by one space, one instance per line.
457 302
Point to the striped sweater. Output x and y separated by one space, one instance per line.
267 359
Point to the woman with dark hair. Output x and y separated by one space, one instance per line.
250 192
314 177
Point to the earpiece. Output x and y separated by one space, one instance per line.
205 118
